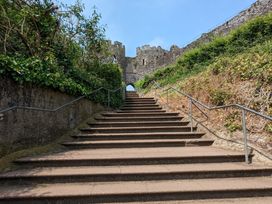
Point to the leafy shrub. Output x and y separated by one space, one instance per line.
232 122
61 50
219 97
33 70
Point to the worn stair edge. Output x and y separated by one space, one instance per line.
133 136
134 176
133 161
139 144
139 123
142 196
138 129
141 108
166 118
140 105
147 98
140 114
141 111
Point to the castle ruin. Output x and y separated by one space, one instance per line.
149 58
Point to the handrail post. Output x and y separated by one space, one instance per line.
245 135
167 97
108 99
191 114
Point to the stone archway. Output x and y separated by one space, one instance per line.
130 87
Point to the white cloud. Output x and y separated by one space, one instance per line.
157 41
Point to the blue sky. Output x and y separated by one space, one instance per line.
161 22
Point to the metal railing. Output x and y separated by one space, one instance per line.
109 91
192 101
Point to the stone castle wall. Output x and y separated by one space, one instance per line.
148 58
258 8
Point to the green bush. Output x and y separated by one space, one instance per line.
77 82
233 122
219 97
62 50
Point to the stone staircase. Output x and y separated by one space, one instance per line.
139 153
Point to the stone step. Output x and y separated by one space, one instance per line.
139 123
132 156
148 114
139 143
138 98
138 129
246 200
141 111
139 105
141 108
140 101
132 96
133 173
142 119
141 136
140 191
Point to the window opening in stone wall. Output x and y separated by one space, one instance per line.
143 61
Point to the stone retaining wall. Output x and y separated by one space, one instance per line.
25 128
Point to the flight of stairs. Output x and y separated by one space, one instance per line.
137 154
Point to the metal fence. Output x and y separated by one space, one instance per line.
109 91
194 102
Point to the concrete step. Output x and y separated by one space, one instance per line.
139 143
148 114
132 156
133 173
142 119
142 129
140 191
141 136
139 123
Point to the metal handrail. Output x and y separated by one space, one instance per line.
193 101
62 106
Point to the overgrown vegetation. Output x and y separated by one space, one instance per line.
233 69
56 46
221 51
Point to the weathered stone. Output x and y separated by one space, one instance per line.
146 61
148 58
258 8
25 128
